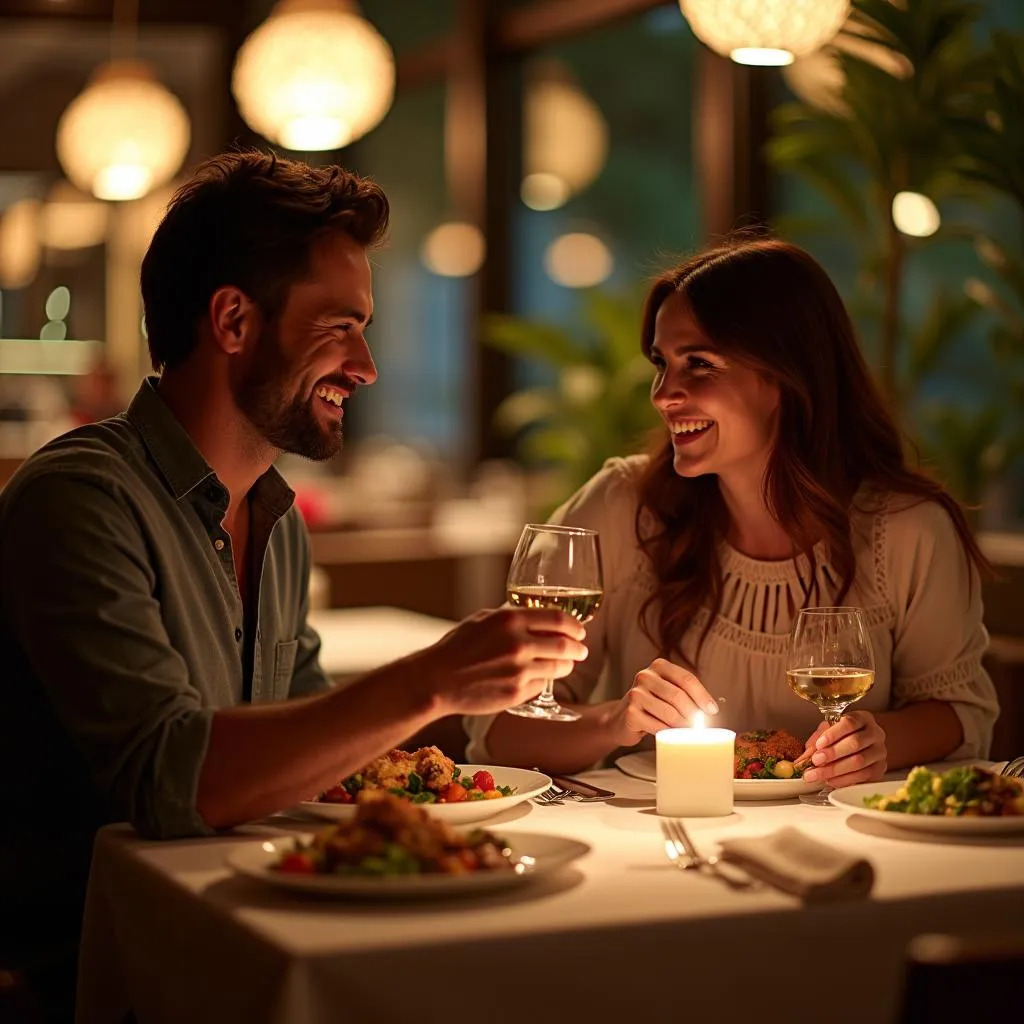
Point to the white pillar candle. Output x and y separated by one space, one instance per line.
694 769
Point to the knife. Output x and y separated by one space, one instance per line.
585 789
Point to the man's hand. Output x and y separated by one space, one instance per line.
496 659
663 696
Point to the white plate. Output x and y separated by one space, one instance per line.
548 853
641 766
852 799
527 784
771 789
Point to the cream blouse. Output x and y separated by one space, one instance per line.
921 597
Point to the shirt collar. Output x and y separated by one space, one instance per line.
178 459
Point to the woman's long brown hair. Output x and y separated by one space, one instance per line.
768 305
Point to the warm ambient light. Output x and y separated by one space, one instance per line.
124 134
762 56
544 191
915 214
455 249
314 75
765 31
578 260
19 244
71 219
565 137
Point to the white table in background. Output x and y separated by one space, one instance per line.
620 936
355 640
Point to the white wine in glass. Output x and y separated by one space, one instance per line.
831 664
555 567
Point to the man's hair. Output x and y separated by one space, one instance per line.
248 219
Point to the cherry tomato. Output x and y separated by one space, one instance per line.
337 795
297 864
752 769
453 793
483 780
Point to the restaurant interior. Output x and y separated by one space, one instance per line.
544 161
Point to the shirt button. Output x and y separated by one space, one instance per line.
219 544
238 634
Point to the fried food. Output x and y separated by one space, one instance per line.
422 776
391 836
766 754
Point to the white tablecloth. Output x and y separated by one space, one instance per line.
170 931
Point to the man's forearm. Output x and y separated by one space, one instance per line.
265 757
562 747
921 732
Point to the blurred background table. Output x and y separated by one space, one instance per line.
357 640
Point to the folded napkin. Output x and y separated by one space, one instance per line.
794 863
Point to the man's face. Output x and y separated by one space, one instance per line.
314 356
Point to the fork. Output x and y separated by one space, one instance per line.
555 794
683 854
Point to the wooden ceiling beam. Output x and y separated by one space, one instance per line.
549 21
151 12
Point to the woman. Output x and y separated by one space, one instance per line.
779 483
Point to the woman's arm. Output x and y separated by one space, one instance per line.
919 733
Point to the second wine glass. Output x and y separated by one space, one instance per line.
555 567
831 664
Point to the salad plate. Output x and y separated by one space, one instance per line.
533 856
525 784
852 799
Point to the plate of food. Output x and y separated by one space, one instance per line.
456 793
969 800
762 765
394 848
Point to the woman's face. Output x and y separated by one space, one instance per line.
721 414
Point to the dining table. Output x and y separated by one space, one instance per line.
173 934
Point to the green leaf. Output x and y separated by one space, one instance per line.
542 342
617 323
524 409
559 446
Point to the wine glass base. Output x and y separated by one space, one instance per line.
818 799
544 712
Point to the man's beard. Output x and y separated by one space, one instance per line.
261 394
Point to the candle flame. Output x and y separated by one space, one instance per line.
698 721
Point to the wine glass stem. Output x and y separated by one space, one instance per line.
546 697
834 717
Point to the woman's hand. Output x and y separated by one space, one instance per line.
663 696
851 751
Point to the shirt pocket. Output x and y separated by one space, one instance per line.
284 665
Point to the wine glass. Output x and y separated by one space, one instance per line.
555 567
830 664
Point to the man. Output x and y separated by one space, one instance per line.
158 666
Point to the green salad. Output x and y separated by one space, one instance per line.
969 791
